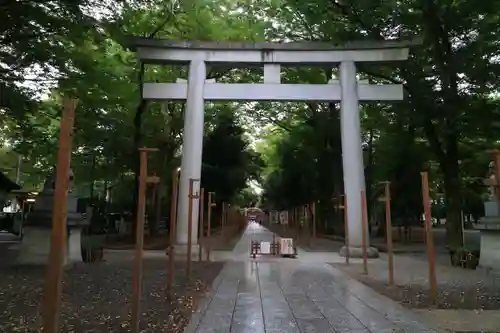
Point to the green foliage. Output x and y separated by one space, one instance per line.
228 162
449 118
448 82
247 198
36 39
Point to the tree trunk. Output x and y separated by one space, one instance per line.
154 221
453 195
137 144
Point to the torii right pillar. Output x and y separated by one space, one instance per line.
352 161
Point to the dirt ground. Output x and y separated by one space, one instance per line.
457 288
161 241
97 297
156 242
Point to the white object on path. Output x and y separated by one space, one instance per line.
265 247
286 246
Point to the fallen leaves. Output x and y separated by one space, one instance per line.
96 298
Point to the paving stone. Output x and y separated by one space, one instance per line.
207 329
339 317
288 330
256 326
293 296
280 323
315 325
303 308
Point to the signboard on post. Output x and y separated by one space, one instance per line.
286 246
284 217
265 248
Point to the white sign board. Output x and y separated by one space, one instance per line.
286 246
265 247
284 217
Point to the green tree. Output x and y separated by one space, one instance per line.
227 158
448 79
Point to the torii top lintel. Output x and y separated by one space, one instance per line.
151 50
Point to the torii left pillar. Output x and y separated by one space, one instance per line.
192 149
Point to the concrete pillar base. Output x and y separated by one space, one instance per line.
182 249
74 246
357 252
35 247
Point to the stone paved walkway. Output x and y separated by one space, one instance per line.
271 295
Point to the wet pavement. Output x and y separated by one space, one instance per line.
271 295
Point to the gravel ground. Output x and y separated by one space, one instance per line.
96 298
157 242
457 288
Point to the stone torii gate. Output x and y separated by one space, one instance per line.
197 89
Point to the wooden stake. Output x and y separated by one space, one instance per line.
53 287
296 223
173 222
314 219
222 219
307 227
431 255
201 228
496 164
293 233
364 223
209 222
191 196
388 226
139 240
346 231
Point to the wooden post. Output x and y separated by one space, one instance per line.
364 231
53 287
297 223
298 226
289 220
139 240
296 213
209 222
388 226
302 223
307 228
346 231
294 226
191 196
314 220
201 228
496 163
227 225
431 255
172 227
223 214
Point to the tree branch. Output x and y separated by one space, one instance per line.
349 12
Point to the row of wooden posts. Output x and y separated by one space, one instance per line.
53 288
431 257
226 230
